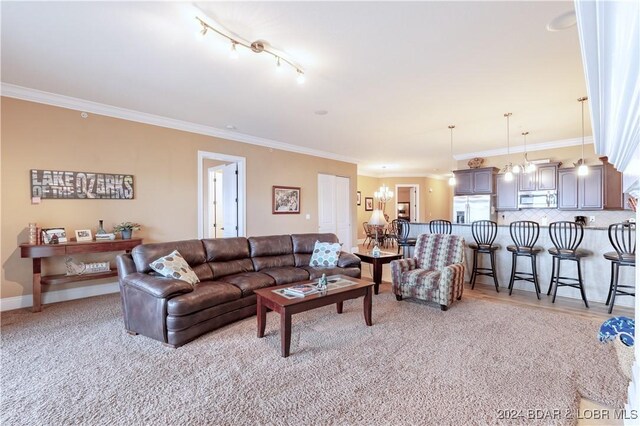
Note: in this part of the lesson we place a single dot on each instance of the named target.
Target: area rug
(74, 364)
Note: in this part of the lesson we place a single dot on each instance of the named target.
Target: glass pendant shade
(452, 181)
(583, 170)
(516, 169)
(530, 168)
(508, 176)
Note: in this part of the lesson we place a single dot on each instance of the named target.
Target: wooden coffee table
(377, 263)
(270, 300)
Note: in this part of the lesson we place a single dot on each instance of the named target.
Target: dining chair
(404, 242)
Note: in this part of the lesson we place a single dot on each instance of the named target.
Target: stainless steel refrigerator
(469, 208)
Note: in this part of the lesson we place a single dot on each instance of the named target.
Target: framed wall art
(368, 204)
(286, 200)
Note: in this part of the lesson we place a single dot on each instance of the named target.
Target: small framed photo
(83, 235)
(286, 200)
(359, 197)
(54, 235)
(368, 204)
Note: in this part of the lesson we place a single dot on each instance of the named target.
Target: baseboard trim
(26, 301)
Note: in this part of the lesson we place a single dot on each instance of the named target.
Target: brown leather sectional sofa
(175, 312)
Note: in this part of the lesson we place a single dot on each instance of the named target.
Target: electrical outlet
(592, 219)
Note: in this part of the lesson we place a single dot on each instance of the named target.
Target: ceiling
(392, 76)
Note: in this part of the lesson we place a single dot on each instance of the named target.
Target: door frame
(242, 189)
(416, 186)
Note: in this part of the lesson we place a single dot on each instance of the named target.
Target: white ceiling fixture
(257, 46)
(562, 22)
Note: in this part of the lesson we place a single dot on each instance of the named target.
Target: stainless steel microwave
(537, 200)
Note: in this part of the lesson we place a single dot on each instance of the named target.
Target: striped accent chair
(435, 272)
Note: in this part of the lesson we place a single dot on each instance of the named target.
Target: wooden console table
(37, 252)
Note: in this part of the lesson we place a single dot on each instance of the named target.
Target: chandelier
(384, 195)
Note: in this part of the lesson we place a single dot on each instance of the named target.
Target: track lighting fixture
(256, 47)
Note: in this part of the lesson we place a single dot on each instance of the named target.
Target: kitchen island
(596, 269)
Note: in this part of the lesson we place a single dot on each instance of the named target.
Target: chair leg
(610, 286)
(534, 270)
(553, 269)
(492, 256)
(582, 292)
(615, 286)
(555, 290)
(514, 261)
(474, 269)
(398, 297)
(443, 307)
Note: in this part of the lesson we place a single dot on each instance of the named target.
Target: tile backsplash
(604, 218)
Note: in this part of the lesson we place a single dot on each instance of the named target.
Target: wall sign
(54, 184)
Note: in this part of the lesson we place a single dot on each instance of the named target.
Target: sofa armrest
(451, 283)
(398, 267)
(159, 287)
(348, 260)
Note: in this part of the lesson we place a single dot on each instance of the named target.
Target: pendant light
(583, 169)
(508, 169)
(529, 167)
(452, 179)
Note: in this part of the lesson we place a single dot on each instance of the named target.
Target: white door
(326, 203)
(230, 200)
(343, 212)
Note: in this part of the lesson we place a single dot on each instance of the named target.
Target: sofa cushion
(315, 273)
(224, 249)
(303, 245)
(325, 255)
(271, 252)
(173, 265)
(192, 251)
(204, 295)
(182, 322)
(249, 281)
(287, 274)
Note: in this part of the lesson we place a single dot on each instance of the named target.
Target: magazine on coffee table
(333, 282)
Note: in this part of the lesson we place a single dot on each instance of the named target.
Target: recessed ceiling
(394, 75)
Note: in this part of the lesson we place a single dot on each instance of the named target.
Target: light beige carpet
(74, 364)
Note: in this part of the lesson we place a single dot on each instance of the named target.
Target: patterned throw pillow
(325, 255)
(174, 266)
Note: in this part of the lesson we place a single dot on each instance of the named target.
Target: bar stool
(484, 233)
(440, 226)
(524, 234)
(404, 242)
(623, 239)
(566, 238)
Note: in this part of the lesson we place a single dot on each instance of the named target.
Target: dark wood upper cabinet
(548, 177)
(506, 194)
(545, 178)
(568, 189)
(591, 189)
(464, 182)
(601, 189)
(475, 181)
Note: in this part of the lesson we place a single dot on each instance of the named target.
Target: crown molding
(62, 101)
(533, 147)
(400, 175)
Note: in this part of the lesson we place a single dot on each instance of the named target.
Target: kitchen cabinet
(506, 194)
(545, 178)
(475, 181)
(568, 189)
(601, 189)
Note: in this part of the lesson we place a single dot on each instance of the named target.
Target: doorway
(408, 202)
(334, 207)
(221, 195)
